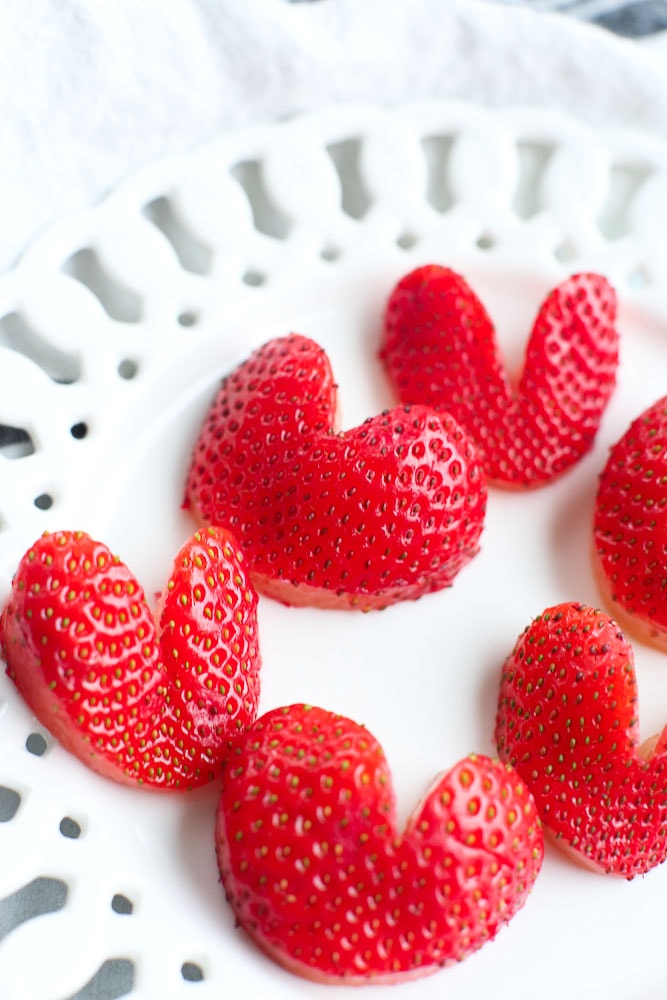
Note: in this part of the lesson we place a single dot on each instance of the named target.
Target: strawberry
(567, 721)
(141, 701)
(318, 875)
(385, 512)
(439, 348)
(630, 527)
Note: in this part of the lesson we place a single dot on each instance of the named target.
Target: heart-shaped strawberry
(439, 348)
(385, 512)
(140, 702)
(567, 721)
(630, 527)
(318, 875)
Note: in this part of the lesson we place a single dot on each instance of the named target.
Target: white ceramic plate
(118, 325)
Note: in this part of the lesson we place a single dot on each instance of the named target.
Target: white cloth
(92, 89)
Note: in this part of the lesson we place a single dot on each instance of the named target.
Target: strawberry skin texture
(142, 702)
(319, 877)
(567, 721)
(439, 348)
(387, 511)
(630, 527)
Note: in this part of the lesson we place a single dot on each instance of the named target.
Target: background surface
(90, 91)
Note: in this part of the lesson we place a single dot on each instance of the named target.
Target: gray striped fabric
(633, 18)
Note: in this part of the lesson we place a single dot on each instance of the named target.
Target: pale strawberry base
(572, 853)
(303, 595)
(576, 855)
(636, 626)
(313, 976)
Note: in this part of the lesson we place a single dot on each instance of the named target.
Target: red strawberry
(385, 512)
(630, 527)
(318, 875)
(567, 720)
(439, 348)
(139, 702)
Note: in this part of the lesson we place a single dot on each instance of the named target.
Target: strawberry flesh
(567, 721)
(318, 875)
(138, 701)
(387, 511)
(630, 527)
(439, 348)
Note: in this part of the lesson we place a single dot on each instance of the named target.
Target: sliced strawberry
(320, 878)
(630, 527)
(439, 348)
(385, 512)
(140, 703)
(567, 721)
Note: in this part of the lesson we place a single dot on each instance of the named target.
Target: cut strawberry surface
(387, 511)
(567, 721)
(320, 878)
(140, 702)
(439, 348)
(630, 527)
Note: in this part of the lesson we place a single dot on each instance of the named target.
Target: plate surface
(117, 326)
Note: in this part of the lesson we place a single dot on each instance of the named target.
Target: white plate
(139, 306)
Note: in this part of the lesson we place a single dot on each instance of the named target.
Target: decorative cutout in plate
(129, 315)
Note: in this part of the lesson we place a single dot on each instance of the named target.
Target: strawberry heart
(140, 702)
(630, 527)
(439, 348)
(318, 875)
(385, 512)
(567, 721)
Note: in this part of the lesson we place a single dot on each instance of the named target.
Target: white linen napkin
(92, 89)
